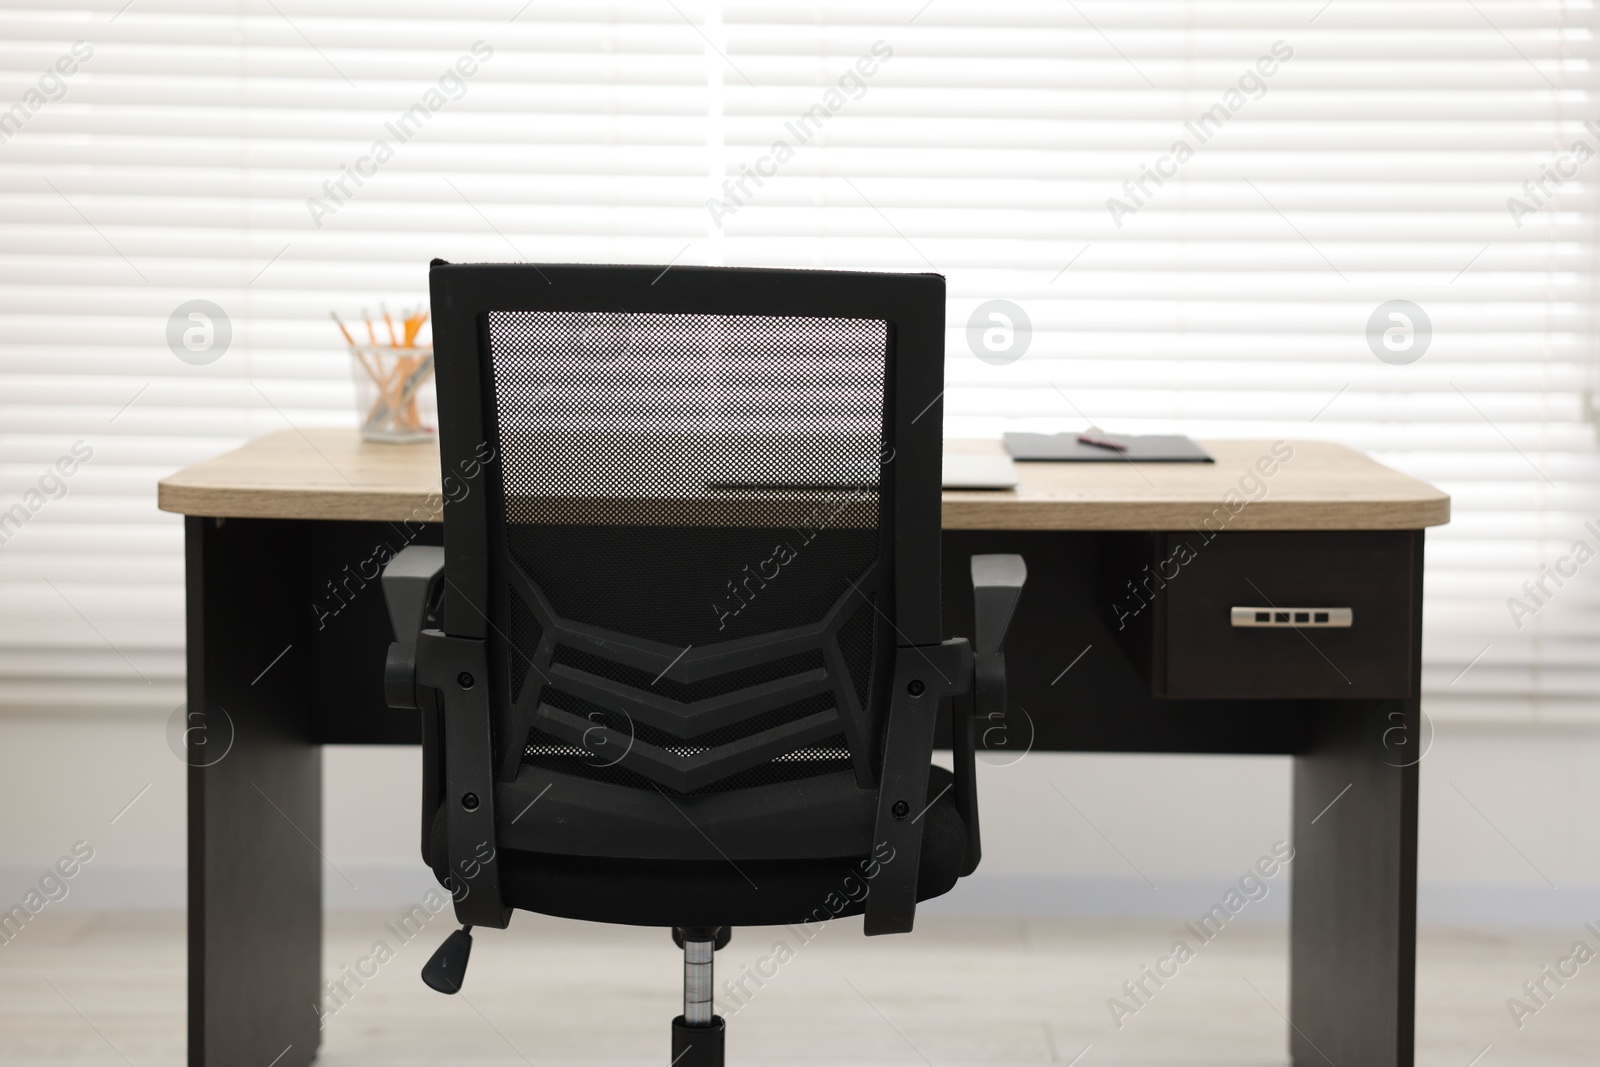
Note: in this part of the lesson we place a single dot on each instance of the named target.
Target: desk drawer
(1283, 614)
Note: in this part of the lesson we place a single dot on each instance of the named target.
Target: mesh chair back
(695, 511)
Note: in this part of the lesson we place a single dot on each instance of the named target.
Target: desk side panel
(255, 799)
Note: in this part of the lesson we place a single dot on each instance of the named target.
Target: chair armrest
(410, 586)
(997, 583)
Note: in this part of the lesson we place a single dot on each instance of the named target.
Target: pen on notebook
(1101, 442)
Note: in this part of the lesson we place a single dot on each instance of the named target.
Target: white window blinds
(1202, 210)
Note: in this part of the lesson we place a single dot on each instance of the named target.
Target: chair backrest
(692, 513)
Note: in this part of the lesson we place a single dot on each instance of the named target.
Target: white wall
(1190, 825)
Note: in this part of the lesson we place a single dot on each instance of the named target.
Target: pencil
(351, 341)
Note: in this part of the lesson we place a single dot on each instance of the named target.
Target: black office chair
(680, 659)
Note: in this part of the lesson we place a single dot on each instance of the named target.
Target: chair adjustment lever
(446, 969)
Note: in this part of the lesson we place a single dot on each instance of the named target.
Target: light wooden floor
(92, 989)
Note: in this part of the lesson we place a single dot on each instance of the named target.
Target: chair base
(698, 1046)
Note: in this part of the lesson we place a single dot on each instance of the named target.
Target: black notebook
(1141, 448)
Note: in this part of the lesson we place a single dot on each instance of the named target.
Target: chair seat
(715, 891)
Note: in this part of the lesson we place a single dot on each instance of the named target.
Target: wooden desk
(1121, 643)
(332, 474)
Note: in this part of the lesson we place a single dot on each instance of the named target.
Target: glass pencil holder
(395, 398)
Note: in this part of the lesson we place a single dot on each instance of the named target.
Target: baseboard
(100, 885)
(1438, 903)
(388, 885)
(1104, 898)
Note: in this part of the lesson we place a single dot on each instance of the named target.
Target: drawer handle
(1287, 618)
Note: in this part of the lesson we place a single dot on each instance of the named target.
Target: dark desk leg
(255, 813)
(1352, 931)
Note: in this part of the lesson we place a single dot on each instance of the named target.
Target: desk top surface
(332, 474)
